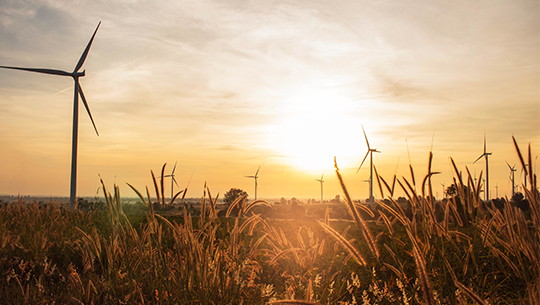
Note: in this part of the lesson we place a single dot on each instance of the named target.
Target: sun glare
(314, 126)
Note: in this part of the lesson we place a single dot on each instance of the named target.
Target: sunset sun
(315, 125)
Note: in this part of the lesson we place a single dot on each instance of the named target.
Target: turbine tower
(255, 177)
(77, 91)
(370, 153)
(173, 180)
(485, 155)
(524, 170)
(512, 170)
(321, 181)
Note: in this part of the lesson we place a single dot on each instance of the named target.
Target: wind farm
(163, 206)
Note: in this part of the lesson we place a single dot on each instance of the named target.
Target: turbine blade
(484, 141)
(365, 137)
(257, 171)
(479, 158)
(322, 176)
(40, 70)
(175, 181)
(362, 162)
(85, 53)
(190, 180)
(174, 168)
(87, 108)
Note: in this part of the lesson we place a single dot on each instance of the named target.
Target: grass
(462, 251)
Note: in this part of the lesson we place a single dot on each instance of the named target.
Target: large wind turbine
(77, 91)
(321, 181)
(370, 153)
(512, 170)
(485, 155)
(255, 177)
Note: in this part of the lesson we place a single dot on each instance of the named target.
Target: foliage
(231, 197)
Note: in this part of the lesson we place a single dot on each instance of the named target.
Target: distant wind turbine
(370, 153)
(321, 181)
(524, 170)
(443, 190)
(255, 177)
(485, 155)
(173, 180)
(512, 170)
(77, 91)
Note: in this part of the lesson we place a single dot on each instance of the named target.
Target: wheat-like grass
(357, 218)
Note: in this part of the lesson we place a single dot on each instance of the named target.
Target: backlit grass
(461, 251)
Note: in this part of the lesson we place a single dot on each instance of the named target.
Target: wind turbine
(524, 170)
(443, 190)
(77, 91)
(255, 177)
(173, 181)
(485, 155)
(321, 181)
(512, 170)
(370, 153)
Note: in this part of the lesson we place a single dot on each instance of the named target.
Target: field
(461, 251)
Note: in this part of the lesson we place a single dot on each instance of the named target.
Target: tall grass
(459, 251)
(473, 252)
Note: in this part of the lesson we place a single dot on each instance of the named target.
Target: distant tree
(402, 200)
(283, 201)
(231, 196)
(498, 203)
(451, 190)
(519, 201)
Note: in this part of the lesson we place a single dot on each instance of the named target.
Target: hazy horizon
(226, 87)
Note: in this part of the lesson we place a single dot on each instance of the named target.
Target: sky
(223, 87)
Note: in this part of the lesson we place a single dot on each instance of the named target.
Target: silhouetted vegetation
(409, 250)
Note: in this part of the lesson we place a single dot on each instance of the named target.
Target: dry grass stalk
(345, 243)
(293, 302)
(358, 220)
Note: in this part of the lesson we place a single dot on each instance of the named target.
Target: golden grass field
(461, 251)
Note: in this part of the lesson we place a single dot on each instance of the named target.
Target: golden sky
(223, 87)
